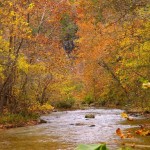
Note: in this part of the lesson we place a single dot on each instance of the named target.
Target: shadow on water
(65, 130)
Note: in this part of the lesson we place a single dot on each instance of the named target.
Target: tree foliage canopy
(107, 42)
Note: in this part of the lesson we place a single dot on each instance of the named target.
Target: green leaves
(69, 28)
(92, 147)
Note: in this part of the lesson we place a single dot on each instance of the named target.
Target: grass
(17, 120)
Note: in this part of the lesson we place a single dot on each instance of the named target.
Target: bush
(88, 99)
(38, 108)
(102, 102)
(68, 103)
(17, 118)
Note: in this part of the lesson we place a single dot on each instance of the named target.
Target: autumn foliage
(106, 61)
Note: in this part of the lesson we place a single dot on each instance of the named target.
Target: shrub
(102, 102)
(88, 99)
(17, 118)
(39, 108)
(68, 103)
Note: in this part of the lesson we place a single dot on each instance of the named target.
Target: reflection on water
(62, 132)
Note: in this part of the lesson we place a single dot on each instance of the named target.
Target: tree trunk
(104, 65)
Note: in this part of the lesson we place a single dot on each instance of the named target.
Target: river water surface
(65, 130)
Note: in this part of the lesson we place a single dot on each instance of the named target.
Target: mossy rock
(89, 116)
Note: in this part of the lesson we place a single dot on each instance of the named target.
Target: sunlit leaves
(124, 115)
(23, 64)
(146, 85)
(31, 5)
(14, 21)
(36, 107)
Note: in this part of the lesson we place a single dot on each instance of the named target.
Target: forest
(74, 65)
(74, 53)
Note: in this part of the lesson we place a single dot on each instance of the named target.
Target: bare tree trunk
(10, 72)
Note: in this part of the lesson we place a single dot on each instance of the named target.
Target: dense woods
(74, 52)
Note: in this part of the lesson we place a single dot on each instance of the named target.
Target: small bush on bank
(23, 118)
(17, 119)
(68, 103)
(88, 99)
(41, 108)
(102, 102)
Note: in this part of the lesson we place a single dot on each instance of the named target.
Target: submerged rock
(79, 124)
(72, 124)
(93, 125)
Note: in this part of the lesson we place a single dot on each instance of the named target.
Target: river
(65, 130)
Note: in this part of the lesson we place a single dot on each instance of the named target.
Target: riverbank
(8, 121)
(138, 112)
(81, 130)
(22, 119)
(137, 136)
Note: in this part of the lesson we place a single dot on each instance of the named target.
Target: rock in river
(42, 121)
(89, 116)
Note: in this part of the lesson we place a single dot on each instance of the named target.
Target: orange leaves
(122, 135)
(138, 131)
(129, 135)
(119, 133)
(143, 132)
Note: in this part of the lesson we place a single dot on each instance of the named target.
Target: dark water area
(65, 130)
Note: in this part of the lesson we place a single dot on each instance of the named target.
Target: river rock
(42, 121)
(79, 124)
(54, 110)
(71, 124)
(89, 116)
(92, 125)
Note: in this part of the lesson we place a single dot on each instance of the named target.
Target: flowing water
(65, 130)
